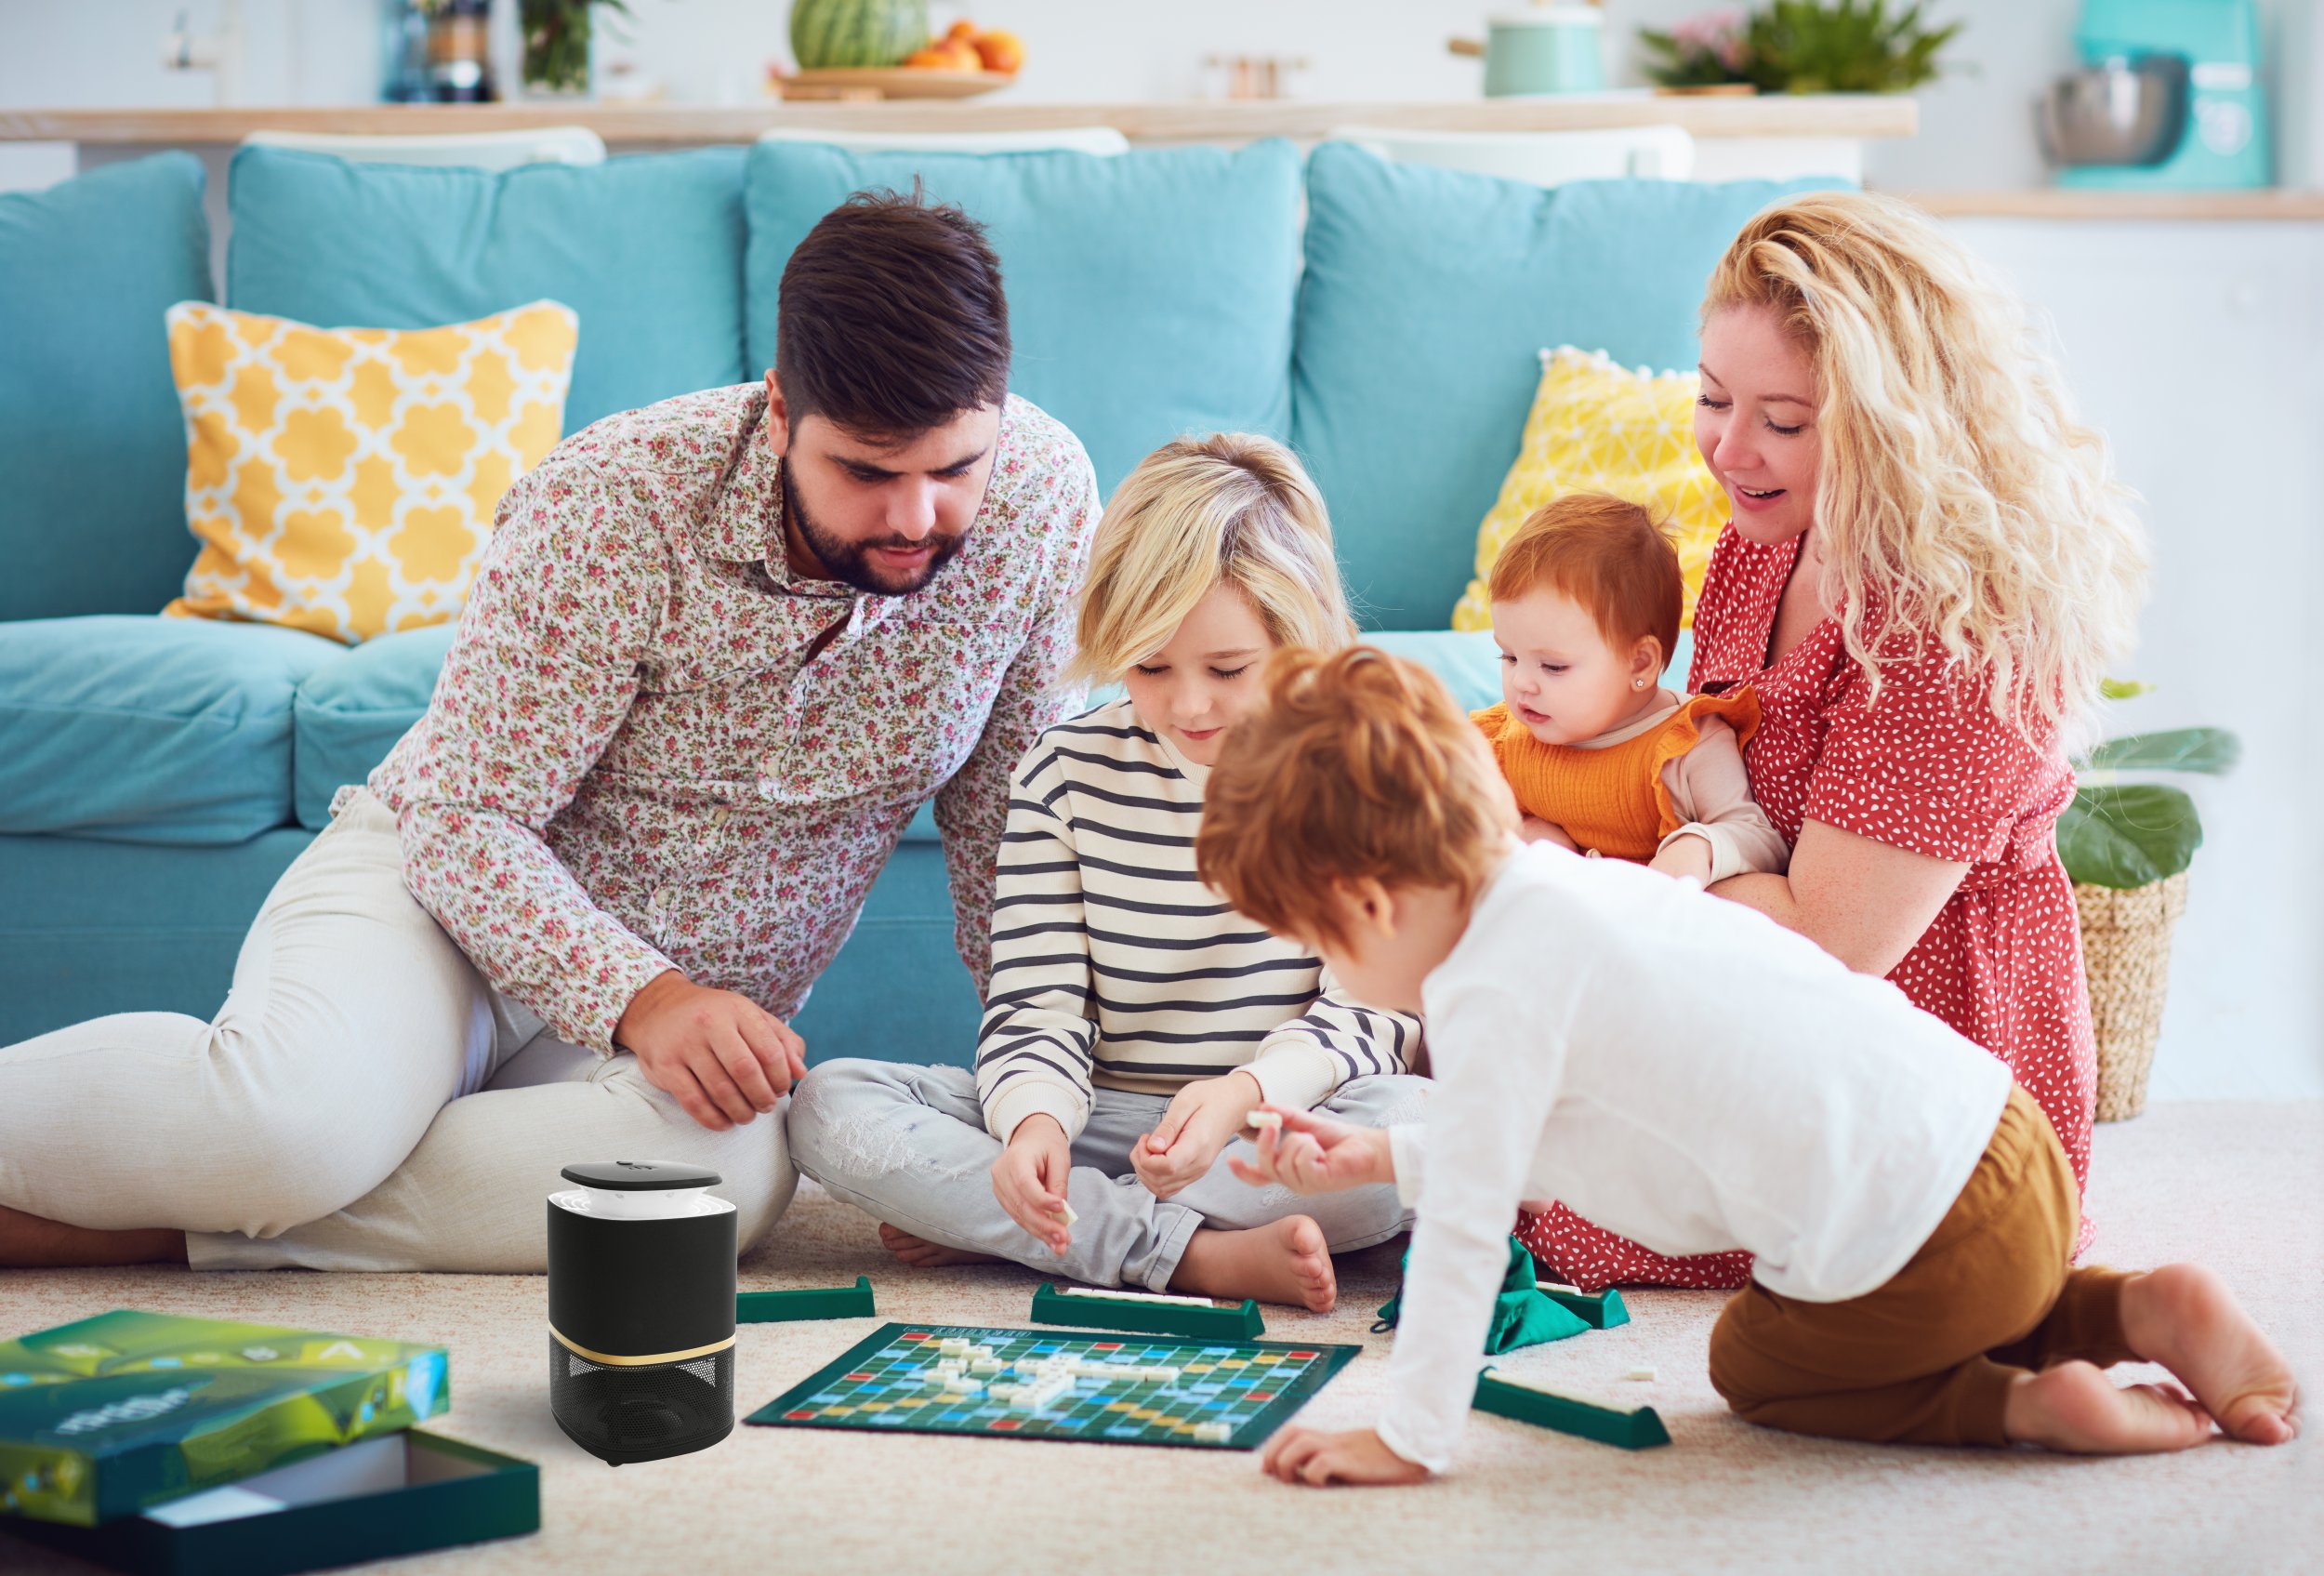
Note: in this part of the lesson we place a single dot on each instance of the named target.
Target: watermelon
(826, 34)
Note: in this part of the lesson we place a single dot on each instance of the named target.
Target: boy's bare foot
(921, 1253)
(1285, 1261)
(31, 1242)
(2075, 1406)
(2184, 1317)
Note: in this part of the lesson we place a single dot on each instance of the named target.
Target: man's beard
(850, 562)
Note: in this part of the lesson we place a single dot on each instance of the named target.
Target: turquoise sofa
(157, 775)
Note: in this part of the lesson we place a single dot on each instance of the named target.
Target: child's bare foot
(31, 1242)
(1285, 1261)
(2075, 1406)
(921, 1253)
(2184, 1317)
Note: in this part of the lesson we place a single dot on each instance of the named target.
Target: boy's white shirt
(1680, 1070)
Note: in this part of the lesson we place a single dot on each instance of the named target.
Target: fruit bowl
(891, 81)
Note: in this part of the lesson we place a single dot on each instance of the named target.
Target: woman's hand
(1865, 902)
(1029, 1180)
(1203, 1116)
(1315, 1458)
(1315, 1154)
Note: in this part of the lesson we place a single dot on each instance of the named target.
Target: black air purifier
(641, 1310)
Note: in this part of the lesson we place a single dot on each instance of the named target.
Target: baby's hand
(1315, 1154)
(1686, 857)
(1315, 1458)
(1533, 828)
(1203, 1116)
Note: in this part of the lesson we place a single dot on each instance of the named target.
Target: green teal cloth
(1150, 293)
(1524, 1315)
(89, 928)
(143, 729)
(648, 251)
(1428, 295)
(92, 448)
(351, 713)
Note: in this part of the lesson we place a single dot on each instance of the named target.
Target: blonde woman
(1927, 568)
(1133, 1019)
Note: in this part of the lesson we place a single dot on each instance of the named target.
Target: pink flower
(1718, 34)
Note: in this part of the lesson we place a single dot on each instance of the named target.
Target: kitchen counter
(2050, 202)
(1850, 116)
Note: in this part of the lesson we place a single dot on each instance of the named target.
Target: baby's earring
(1638, 684)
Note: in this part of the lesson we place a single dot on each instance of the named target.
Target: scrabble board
(1225, 1395)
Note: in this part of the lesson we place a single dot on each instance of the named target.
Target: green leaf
(2213, 752)
(2128, 835)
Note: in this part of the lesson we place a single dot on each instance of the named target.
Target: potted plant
(1803, 47)
(2126, 846)
(557, 43)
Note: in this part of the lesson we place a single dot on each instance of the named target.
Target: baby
(1603, 760)
(1697, 1079)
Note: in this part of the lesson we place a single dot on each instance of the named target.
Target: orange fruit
(960, 55)
(1000, 50)
(931, 59)
(964, 30)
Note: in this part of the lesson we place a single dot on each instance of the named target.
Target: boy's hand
(1029, 1180)
(1202, 1117)
(1533, 828)
(1317, 1154)
(1686, 857)
(1315, 1458)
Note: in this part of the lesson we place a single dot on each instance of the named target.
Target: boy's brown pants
(1929, 1357)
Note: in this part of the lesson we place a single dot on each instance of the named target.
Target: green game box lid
(103, 1417)
(383, 1497)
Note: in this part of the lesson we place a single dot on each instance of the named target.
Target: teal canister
(1551, 49)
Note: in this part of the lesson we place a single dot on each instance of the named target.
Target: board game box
(1085, 1385)
(106, 1416)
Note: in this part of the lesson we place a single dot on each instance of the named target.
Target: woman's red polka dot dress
(1928, 768)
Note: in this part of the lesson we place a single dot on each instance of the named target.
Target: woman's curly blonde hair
(1958, 499)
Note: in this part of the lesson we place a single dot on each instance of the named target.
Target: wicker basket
(2126, 952)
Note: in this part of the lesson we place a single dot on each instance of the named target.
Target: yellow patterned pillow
(1599, 427)
(343, 480)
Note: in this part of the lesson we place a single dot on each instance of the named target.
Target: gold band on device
(580, 1351)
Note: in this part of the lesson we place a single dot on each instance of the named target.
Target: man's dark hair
(891, 318)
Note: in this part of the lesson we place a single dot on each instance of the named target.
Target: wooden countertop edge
(2273, 203)
(1836, 115)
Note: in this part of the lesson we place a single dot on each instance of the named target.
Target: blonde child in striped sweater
(1135, 1020)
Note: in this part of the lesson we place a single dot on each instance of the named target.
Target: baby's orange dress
(1611, 799)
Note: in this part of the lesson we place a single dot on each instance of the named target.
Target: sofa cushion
(350, 712)
(648, 251)
(1428, 299)
(142, 728)
(92, 452)
(1149, 294)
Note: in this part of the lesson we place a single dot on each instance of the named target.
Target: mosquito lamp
(641, 1310)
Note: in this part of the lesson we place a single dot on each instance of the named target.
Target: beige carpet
(2240, 1186)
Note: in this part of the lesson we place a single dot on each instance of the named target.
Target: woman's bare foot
(1285, 1261)
(2075, 1406)
(921, 1253)
(31, 1242)
(2184, 1317)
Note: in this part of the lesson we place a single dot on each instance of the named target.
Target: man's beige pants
(363, 1100)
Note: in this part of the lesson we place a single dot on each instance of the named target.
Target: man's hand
(1686, 857)
(1533, 828)
(1203, 1116)
(722, 1057)
(1029, 1180)
(1315, 1458)
(1317, 1154)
